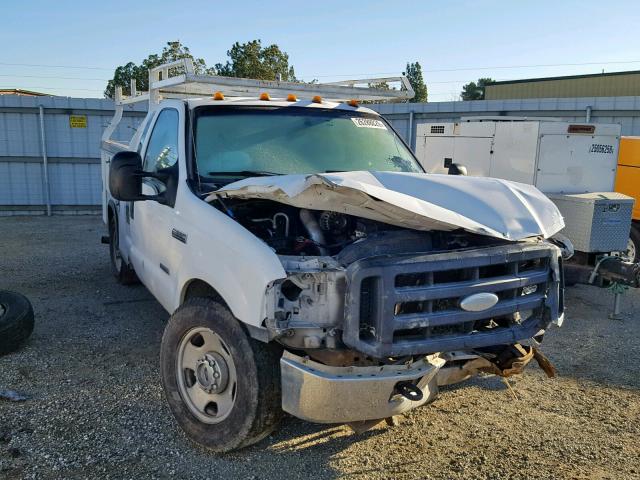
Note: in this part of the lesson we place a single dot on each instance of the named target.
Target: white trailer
(553, 155)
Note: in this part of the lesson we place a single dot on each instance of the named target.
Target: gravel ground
(97, 408)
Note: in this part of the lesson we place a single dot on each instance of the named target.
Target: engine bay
(290, 230)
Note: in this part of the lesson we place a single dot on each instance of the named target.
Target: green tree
(252, 60)
(414, 75)
(380, 86)
(475, 90)
(171, 52)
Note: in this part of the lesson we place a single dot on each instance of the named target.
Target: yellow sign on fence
(78, 121)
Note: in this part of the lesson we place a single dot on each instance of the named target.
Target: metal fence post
(410, 131)
(45, 162)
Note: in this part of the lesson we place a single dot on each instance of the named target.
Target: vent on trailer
(437, 128)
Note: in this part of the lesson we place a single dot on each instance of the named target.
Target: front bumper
(322, 394)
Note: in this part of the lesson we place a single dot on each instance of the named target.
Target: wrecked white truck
(309, 264)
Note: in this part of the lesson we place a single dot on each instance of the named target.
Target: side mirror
(125, 178)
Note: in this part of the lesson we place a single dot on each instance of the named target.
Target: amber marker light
(317, 99)
(292, 98)
(218, 96)
(265, 96)
(353, 103)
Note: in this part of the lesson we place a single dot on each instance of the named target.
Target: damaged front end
(357, 326)
(375, 315)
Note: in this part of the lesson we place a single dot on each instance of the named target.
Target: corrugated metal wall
(604, 85)
(622, 110)
(73, 153)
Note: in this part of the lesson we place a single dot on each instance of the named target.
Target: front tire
(222, 386)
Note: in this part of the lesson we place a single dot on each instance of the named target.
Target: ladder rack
(164, 82)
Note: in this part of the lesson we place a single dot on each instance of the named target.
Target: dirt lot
(97, 408)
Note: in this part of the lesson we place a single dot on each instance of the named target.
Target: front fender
(225, 255)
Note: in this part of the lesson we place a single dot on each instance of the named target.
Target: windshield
(258, 141)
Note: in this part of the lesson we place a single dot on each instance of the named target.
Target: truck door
(151, 222)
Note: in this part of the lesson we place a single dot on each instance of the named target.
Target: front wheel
(223, 387)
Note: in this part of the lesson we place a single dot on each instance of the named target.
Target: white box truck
(573, 163)
(307, 261)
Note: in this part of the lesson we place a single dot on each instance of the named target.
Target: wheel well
(200, 288)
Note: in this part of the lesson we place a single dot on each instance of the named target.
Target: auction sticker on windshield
(368, 122)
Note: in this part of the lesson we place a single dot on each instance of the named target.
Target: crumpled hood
(486, 206)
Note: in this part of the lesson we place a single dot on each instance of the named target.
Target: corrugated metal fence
(72, 131)
(73, 152)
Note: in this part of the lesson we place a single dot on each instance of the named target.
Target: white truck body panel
(419, 201)
(543, 153)
(146, 242)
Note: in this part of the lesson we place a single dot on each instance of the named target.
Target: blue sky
(454, 41)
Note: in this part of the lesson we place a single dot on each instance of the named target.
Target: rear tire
(124, 274)
(16, 320)
(251, 370)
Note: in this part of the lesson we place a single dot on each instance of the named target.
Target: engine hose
(314, 230)
(594, 273)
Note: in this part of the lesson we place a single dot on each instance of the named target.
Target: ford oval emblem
(479, 302)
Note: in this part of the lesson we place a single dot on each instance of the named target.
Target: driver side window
(162, 150)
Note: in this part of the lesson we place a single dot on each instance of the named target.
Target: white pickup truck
(307, 261)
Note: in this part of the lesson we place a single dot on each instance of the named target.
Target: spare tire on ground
(16, 320)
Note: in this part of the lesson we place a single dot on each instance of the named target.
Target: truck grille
(411, 305)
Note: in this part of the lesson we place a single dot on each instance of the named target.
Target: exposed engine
(293, 231)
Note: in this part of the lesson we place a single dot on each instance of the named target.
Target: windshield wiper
(246, 173)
